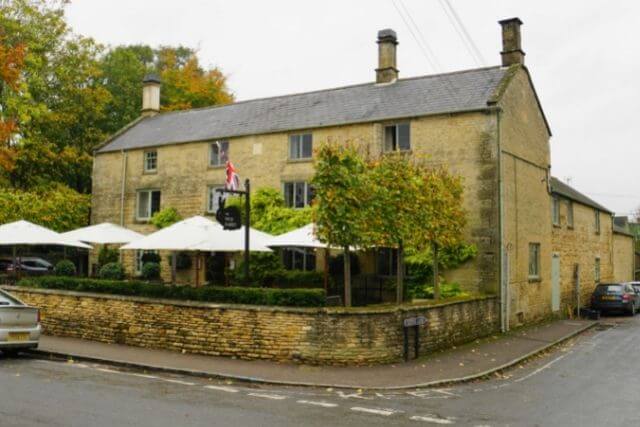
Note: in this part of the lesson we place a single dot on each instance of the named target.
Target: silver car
(19, 324)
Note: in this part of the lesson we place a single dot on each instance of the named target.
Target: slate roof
(562, 189)
(419, 96)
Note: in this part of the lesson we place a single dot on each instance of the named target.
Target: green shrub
(233, 295)
(111, 271)
(150, 270)
(107, 255)
(165, 217)
(425, 291)
(150, 257)
(65, 268)
(265, 268)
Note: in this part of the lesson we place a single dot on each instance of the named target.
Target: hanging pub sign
(229, 217)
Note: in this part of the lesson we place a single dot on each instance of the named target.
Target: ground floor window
(139, 255)
(213, 198)
(534, 260)
(386, 261)
(299, 259)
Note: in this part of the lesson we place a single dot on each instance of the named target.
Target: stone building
(485, 124)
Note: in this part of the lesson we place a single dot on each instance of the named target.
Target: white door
(555, 282)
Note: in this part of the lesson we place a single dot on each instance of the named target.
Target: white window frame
(534, 269)
(306, 194)
(212, 195)
(555, 210)
(296, 146)
(218, 160)
(397, 148)
(300, 252)
(151, 155)
(150, 191)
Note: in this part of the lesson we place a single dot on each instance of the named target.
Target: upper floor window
(213, 198)
(148, 204)
(597, 221)
(569, 213)
(218, 153)
(534, 260)
(555, 210)
(150, 161)
(298, 194)
(299, 259)
(397, 137)
(300, 146)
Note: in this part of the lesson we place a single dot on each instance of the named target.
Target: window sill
(305, 160)
(407, 152)
(215, 166)
(556, 225)
(535, 279)
(153, 172)
(141, 221)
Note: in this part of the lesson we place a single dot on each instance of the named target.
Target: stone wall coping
(302, 310)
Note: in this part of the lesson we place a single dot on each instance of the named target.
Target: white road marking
(169, 380)
(318, 403)
(150, 377)
(375, 411)
(431, 419)
(542, 368)
(222, 388)
(353, 395)
(268, 396)
(108, 371)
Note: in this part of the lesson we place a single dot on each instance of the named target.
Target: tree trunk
(400, 296)
(436, 282)
(347, 277)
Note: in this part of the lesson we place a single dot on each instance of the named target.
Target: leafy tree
(440, 211)
(165, 217)
(56, 207)
(269, 213)
(342, 202)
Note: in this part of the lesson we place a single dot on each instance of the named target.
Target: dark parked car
(615, 296)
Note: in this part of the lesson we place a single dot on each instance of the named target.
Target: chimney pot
(387, 42)
(151, 95)
(512, 52)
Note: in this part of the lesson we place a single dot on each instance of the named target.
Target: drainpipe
(504, 281)
(124, 180)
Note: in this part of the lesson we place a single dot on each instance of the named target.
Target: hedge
(232, 295)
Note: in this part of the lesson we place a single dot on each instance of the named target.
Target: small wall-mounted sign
(415, 321)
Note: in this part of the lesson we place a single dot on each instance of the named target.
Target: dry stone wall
(314, 336)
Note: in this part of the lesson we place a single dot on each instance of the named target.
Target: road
(593, 380)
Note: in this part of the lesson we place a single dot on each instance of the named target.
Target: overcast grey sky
(583, 57)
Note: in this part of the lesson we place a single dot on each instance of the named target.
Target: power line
(426, 50)
(463, 33)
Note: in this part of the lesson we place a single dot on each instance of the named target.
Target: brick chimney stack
(512, 52)
(150, 95)
(387, 71)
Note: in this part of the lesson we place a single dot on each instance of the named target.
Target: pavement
(459, 364)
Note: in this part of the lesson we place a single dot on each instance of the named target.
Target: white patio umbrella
(201, 234)
(26, 233)
(103, 234)
(303, 237)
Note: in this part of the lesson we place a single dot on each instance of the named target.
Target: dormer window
(397, 137)
(151, 161)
